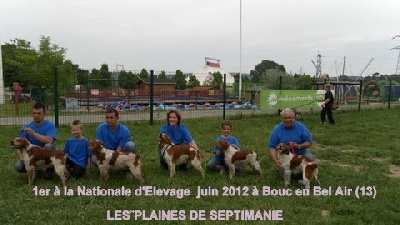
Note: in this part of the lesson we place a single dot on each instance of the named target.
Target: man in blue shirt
(39, 132)
(114, 135)
(292, 133)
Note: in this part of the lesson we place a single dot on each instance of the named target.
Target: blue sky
(179, 34)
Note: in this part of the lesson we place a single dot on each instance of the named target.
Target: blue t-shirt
(78, 151)
(298, 133)
(47, 128)
(113, 139)
(180, 135)
(231, 140)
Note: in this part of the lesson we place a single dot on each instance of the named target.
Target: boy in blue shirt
(218, 163)
(77, 148)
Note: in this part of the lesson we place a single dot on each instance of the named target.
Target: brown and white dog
(175, 155)
(296, 164)
(240, 158)
(111, 160)
(39, 158)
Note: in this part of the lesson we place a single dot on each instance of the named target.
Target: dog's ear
(101, 143)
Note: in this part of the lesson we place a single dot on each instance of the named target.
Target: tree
(193, 82)
(217, 80)
(180, 82)
(144, 74)
(49, 56)
(261, 69)
(101, 78)
(19, 62)
(35, 68)
(162, 76)
(272, 80)
(127, 80)
(303, 82)
(82, 76)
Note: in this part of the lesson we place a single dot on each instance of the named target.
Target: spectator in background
(326, 105)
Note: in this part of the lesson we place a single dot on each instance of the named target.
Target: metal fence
(88, 104)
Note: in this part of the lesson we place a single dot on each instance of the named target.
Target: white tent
(212, 66)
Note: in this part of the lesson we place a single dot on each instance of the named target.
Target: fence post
(151, 95)
(390, 92)
(56, 116)
(360, 98)
(223, 114)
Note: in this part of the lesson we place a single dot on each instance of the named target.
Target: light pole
(2, 100)
(398, 58)
(240, 52)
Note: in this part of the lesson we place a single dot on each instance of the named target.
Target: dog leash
(166, 148)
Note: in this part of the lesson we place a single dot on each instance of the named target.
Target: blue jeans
(20, 166)
(213, 163)
(130, 146)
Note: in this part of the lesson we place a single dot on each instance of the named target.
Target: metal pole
(360, 98)
(390, 93)
(56, 119)
(151, 95)
(224, 96)
(240, 66)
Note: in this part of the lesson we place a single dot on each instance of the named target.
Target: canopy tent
(212, 66)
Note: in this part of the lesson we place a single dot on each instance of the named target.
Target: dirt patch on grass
(325, 213)
(381, 160)
(394, 171)
(356, 168)
(317, 146)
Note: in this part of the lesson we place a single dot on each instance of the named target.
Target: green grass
(357, 152)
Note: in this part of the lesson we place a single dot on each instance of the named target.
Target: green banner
(280, 99)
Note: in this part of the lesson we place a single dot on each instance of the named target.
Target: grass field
(361, 152)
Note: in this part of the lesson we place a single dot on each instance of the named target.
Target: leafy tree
(193, 82)
(128, 80)
(101, 78)
(303, 82)
(272, 80)
(180, 82)
(217, 80)
(49, 56)
(261, 69)
(144, 74)
(19, 63)
(35, 68)
(82, 76)
(162, 76)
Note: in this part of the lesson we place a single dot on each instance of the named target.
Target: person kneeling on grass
(218, 163)
(291, 133)
(77, 147)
